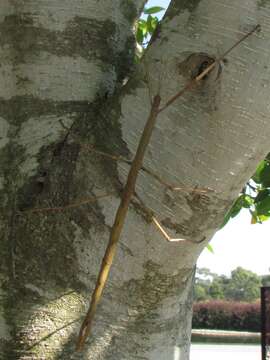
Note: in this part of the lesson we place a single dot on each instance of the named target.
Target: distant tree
(203, 281)
(216, 289)
(243, 286)
(200, 293)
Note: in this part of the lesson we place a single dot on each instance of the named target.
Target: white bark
(212, 137)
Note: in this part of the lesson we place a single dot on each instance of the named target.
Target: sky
(163, 3)
(239, 243)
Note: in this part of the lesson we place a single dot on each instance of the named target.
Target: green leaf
(262, 174)
(226, 219)
(153, 10)
(263, 207)
(256, 176)
(265, 175)
(139, 36)
(263, 218)
(247, 201)
(261, 195)
(210, 248)
(142, 24)
(242, 201)
(151, 24)
(154, 23)
(237, 206)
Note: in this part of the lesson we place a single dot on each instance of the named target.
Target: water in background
(225, 352)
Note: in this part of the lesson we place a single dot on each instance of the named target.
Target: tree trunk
(62, 68)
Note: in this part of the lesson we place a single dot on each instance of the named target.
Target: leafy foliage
(242, 285)
(153, 10)
(146, 27)
(255, 196)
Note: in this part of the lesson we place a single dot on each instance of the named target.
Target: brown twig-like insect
(129, 191)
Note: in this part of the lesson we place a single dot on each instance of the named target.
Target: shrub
(227, 315)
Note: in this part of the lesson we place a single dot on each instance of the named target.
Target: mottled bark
(62, 67)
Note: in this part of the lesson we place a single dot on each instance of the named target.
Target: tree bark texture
(62, 66)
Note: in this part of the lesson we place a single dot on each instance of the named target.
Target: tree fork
(130, 188)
